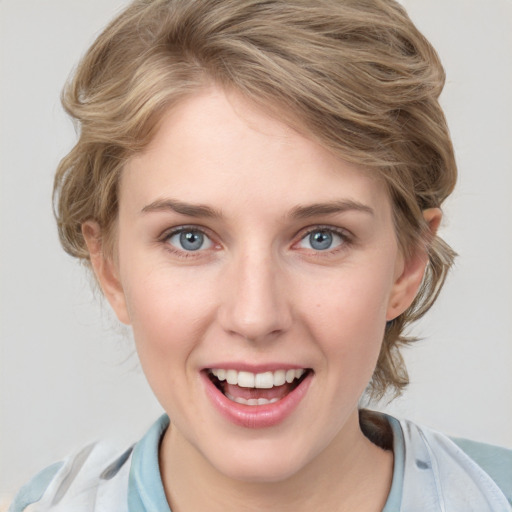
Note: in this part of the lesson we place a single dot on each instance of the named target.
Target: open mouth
(255, 389)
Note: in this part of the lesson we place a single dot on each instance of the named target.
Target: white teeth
(279, 377)
(291, 375)
(232, 376)
(245, 379)
(264, 380)
(251, 401)
(221, 374)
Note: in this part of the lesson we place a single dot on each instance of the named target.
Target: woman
(257, 187)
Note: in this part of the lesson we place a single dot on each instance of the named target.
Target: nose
(255, 305)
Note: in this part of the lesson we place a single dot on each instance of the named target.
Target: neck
(352, 473)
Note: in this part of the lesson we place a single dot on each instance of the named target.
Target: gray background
(68, 374)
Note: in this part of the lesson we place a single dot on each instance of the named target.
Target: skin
(257, 292)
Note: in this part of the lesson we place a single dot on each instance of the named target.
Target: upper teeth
(264, 380)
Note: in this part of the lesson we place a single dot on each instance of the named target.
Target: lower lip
(257, 416)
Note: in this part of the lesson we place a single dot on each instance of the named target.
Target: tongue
(248, 393)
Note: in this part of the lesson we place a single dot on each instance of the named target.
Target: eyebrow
(298, 212)
(332, 207)
(190, 210)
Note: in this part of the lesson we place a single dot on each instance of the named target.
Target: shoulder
(494, 460)
(100, 477)
(97, 474)
(463, 473)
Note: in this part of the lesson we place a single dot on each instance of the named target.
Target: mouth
(257, 389)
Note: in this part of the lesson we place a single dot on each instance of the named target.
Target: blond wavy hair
(355, 75)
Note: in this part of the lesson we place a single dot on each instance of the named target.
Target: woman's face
(257, 271)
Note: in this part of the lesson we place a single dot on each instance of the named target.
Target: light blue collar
(145, 489)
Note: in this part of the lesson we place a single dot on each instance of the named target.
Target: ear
(106, 270)
(410, 270)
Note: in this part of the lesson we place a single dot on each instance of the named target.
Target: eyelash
(346, 240)
(166, 237)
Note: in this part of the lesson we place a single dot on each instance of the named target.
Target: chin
(259, 465)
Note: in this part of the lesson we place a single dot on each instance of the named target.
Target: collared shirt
(431, 473)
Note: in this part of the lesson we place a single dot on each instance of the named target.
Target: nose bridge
(255, 304)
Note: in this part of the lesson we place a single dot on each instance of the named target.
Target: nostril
(259, 337)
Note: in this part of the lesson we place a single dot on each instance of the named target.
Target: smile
(256, 389)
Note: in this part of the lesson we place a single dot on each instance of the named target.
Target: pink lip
(257, 416)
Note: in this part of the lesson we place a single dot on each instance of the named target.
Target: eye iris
(191, 240)
(320, 240)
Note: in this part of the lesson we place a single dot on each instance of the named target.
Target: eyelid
(170, 232)
(343, 233)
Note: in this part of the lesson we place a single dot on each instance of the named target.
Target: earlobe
(105, 270)
(412, 269)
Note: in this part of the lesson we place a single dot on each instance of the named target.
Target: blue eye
(321, 240)
(190, 240)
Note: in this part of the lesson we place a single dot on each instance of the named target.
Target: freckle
(422, 465)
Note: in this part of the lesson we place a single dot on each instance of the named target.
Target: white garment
(431, 474)
(440, 477)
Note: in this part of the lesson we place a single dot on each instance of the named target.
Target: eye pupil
(320, 240)
(191, 240)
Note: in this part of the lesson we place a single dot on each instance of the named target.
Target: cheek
(352, 298)
(167, 328)
(168, 314)
(347, 315)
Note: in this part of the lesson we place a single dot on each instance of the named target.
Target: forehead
(216, 146)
